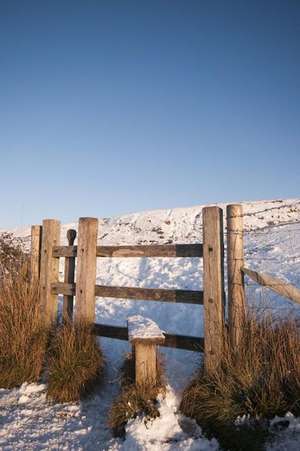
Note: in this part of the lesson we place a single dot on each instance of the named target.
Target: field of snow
(272, 244)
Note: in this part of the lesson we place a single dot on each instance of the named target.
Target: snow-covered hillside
(272, 244)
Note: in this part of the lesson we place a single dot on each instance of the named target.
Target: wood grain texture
(168, 250)
(49, 270)
(145, 363)
(35, 257)
(213, 286)
(69, 271)
(235, 262)
(86, 269)
(281, 287)
(145, 294)
(185, 342)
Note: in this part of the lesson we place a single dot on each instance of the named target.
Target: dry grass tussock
(134, 400)
(23, 339)
(260, 378)
(75, 362)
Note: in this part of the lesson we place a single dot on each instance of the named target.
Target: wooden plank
(67, 289)
(117, 332)
(65, 251)
(281, 287)
(145, 294)
(86, 269)
(151, 294)
(213, 286)
(235, 262)
(35, 257)
(184, 342)
(49, 270)
(168, 250)
(69, 272)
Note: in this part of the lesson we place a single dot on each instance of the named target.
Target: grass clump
(23, 339)
(260, 379)
(133, 400)
(75, 362)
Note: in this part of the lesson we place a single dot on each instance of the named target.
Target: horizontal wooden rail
(281, 287)
(146, 294)
(155, 250)
(172, 341)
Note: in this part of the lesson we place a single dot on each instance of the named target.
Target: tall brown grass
(75, 362)
(23, 338)
(259, 378)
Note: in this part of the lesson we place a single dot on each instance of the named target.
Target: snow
(272, 244)
(166, 432)
(141, 328)
(289, 438)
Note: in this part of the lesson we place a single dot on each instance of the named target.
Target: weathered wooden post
(145, 336)
(213, 286)
(49, 270)
(86, 270)
(235, 263)
(69, 272)
(35, 256)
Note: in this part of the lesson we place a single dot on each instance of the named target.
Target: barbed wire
(272, 259)
(266, 230)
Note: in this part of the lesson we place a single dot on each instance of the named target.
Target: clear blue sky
(108, 107)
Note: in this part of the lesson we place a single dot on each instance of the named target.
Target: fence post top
(234, 211)
(51, 221)
(71, 235)
(88, 219)
(212, 207)
(234, 206)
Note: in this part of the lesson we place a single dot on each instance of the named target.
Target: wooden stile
(235, 263)
(86, 269)
(213, 286)
(69, 278)
(35, 257)
(86, 290)
(49, 270)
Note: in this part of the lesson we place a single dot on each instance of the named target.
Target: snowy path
(29, 422)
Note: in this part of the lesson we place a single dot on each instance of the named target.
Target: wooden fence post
(145, 336)
(69, 272)
(145, 355)
(35, 256)
(86, 269)
(235, 263)
(49, 270)
(213, 286)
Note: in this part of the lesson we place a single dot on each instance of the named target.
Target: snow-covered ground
(272, 244)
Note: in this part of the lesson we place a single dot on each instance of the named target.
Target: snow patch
(140, 327)
(164, 432)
